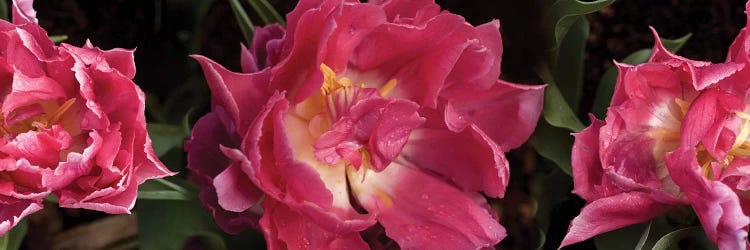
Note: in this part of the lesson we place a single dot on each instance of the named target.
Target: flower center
(348, 119)
(667, 139)
(45, 115)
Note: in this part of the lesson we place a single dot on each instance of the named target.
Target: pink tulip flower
(72, 124)
(676, 133)
(386, 112)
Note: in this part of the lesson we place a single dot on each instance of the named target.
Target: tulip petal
(505, 101)
(206, 161)
(11, 214)
(715, 203)
(284, 228)
(240, 95)
(469, 158)
(420, 211)
(610, 213)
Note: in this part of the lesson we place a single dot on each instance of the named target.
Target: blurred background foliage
(567, 44)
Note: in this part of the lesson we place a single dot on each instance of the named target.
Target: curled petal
(11, 214)
(715, 203)
(610, 213)
(420, 211)
(504, 101)
(469, 158)
(285, 228)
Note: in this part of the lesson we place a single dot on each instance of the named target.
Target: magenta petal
(716, 204)
(268, 159)
(505, 101)
(23, 12)
(247, 60)
(11, 214)
(236, 193)
(610, 213)
(590, 182)
(706, 116)
(420, 211)
(206, 161)
(392, 131)
(468, 158)
(240, 95)
(299, 72)
(420, 66)
(353, 25)
(479, 66)
(27, 90)
(405, 8)
(285, 228)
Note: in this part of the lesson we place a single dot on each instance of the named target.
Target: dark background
(166, 31)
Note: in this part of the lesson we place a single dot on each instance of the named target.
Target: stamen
(330, 82)
(61, 110)
(683, 105)
(387, 87)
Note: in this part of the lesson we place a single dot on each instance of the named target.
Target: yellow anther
(683, 105)
(61, 110)
(387, 87)
(330, 82)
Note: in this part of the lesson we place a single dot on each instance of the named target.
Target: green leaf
(625, 238)
(644, 236)
(13, 239)
(246, 26)
(211, 240)
(4, 10)
(554, 144)
(569, 74)
(186, 127)
(607, 84)
(165, 137)
(675, 45)
(168, 224)
(674, 237)
(639, 236)
(557, 112)
(58, 39)
(542, 239)
(564, 13)
(162, 189)
(266, 12)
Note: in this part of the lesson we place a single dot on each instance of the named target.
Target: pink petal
(235, 192)
(590, 182)
(28, 90)
(479, 66)
(247, 60)
(505, 101)
(420, 66)
(11, 214)
(285, 228)
(382, 124)
(268, 159)
(353, 25)
(206, 161)
(240, 95)
(265, 47)
(299, 72)
(706, 117)
(405, 8)
(469, 158)
(610, 213)
(716, 205)
(420, 211)
(23, 12)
